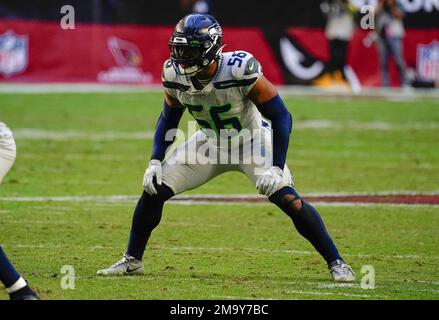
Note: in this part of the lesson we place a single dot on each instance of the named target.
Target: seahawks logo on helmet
(195, 43)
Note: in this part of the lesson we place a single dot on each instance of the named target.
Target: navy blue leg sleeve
(147, 216)
(8, 274)
(307, 222)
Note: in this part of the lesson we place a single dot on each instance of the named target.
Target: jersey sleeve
(247, 72)
(168, 78)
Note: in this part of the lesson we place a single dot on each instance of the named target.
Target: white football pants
(188, 168)
(8, 151)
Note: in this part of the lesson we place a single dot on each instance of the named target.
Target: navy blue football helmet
(195, 43)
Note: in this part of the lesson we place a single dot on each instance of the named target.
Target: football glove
(154, 170)
(268, 183)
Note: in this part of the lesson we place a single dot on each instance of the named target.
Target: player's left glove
(267, 184)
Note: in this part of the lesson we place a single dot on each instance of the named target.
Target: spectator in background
(196, 6)
(390, 30)
(340, 27)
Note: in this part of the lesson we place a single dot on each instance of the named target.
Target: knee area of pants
(164, 193)
(294, 204)
(152, 198)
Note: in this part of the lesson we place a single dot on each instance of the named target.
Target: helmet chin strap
(220, 50)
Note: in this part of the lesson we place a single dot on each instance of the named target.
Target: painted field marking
(42, 134)
(318, 124)
(382, 198)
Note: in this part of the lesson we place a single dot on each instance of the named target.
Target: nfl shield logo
(13, 53)
(428, 61)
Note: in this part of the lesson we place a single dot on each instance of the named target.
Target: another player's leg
(15, 285)
(310, 225)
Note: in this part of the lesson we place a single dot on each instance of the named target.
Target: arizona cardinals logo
(129, 63)
(298, 66)
(125, 53)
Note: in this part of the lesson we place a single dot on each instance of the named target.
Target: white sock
(19, 284)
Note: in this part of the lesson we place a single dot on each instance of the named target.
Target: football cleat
(25, 293)
(341, 272)
(126, 266)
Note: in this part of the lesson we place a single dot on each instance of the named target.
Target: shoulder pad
(252, 66)
(243, 63)
(168, 71)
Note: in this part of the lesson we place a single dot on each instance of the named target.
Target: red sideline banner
(34, 51)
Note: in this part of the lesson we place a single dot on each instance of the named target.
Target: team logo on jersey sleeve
(13, 53)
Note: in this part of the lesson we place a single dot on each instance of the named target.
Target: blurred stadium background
(83, 104)
(126, 41)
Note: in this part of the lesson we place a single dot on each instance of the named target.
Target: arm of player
(168, 120)
(265, 96)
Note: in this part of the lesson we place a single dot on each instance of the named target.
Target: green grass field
(99, 144)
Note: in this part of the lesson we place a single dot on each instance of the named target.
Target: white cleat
(126, 266)
(341, 272)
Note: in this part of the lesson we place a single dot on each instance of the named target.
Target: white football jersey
(4, 130)
(223, 102)
(7, 149)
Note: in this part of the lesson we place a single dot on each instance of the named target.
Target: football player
(221, 91)
(16, 286)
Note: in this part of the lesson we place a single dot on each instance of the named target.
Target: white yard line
(115, 198)
(391, 94)
(42, 134)
(319, 124)
(364, 125)
(92, 157)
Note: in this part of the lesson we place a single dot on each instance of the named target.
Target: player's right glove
(267, 183)
(154, 170)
